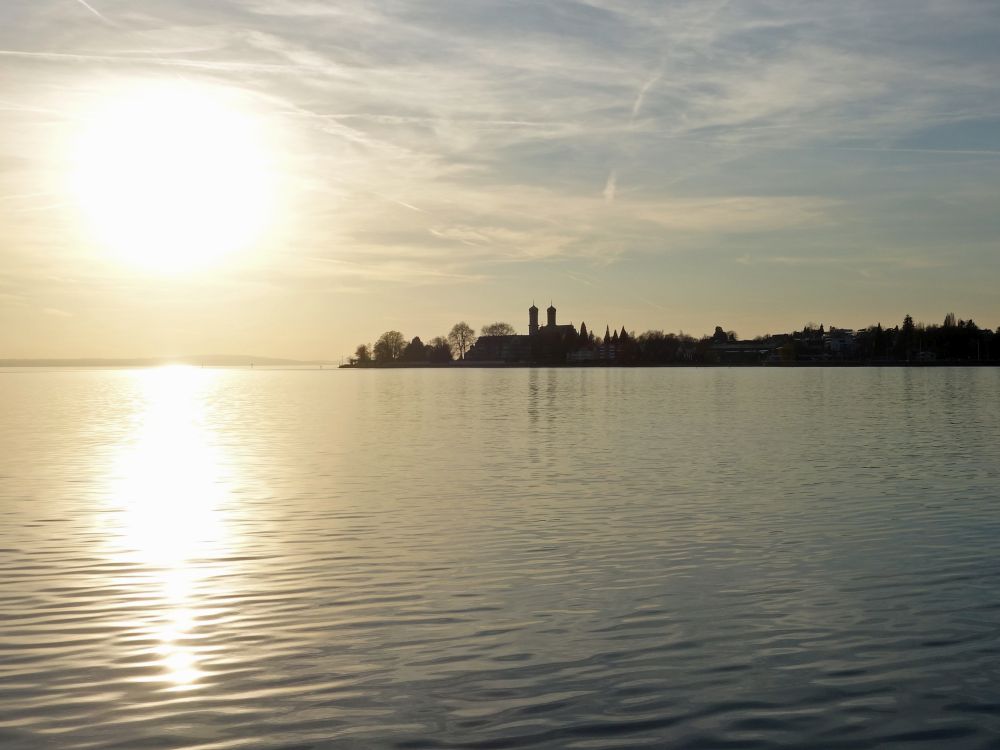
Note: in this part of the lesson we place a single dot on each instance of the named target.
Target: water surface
(693, 558)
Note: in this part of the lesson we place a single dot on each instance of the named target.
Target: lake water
(594, 558)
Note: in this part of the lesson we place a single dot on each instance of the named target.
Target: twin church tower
(550, 323)
(551, 343)
(533, 318)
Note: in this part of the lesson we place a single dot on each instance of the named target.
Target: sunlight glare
(168, 488)
(173, 176)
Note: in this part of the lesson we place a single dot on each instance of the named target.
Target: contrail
(35, 209)
(610, 187)
(165, 61)
(641, 98)
(22, 196)
(398, 202)
(92, 9)
(819, 147)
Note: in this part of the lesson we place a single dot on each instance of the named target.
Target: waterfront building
(552, 343)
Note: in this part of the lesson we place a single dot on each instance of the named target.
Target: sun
(173, 176)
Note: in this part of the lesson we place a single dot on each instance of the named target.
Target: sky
(350, 167)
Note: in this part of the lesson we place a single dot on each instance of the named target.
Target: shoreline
(326, 367)
(706, 365)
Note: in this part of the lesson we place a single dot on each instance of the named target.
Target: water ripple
(689, 558)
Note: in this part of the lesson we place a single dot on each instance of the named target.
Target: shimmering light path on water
(510, 558)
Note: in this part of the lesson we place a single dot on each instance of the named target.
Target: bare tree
(461, 338)
(499, 329)
(389, 347)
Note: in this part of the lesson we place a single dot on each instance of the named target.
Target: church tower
(551, 312)
(532, 320)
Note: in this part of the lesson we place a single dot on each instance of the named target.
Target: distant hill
(208, 360)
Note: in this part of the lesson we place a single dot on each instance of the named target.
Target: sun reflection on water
(168, 491)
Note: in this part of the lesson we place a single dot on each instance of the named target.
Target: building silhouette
(553, 343)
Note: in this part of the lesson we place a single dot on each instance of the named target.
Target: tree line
(952, 340)
(393, 348)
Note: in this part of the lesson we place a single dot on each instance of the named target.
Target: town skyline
(953, 340)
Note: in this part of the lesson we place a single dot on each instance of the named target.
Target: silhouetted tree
(439, 350)
(628, 348)
(415, 351)
(949, 320)
(363, 355)
(904, 341)
(461, 337)
(881, 342)
(657, 347)
(389, 347)
(499, 329)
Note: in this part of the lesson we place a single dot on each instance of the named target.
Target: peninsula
(954, 341)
